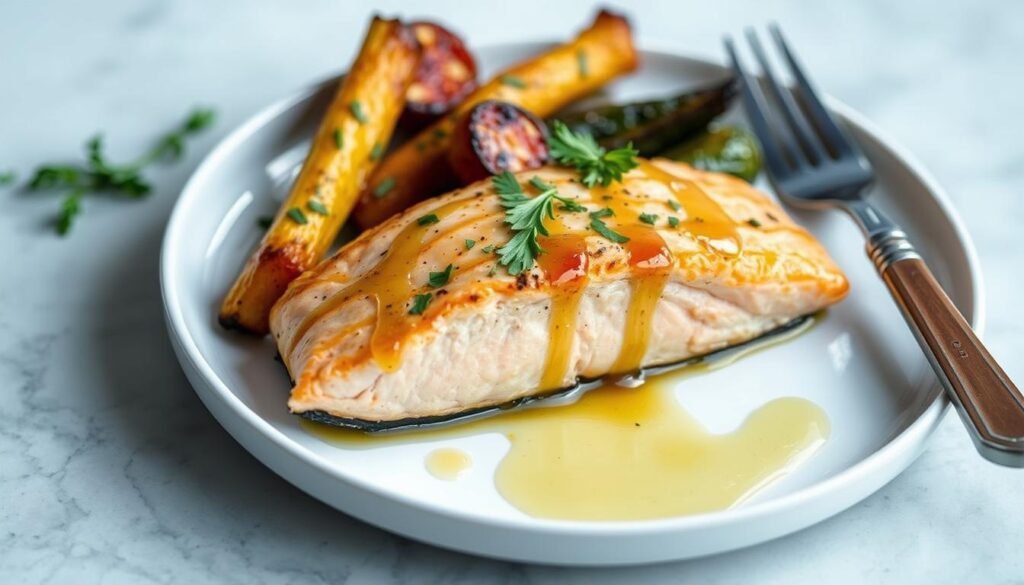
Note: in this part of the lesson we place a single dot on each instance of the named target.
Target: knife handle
(987, 400)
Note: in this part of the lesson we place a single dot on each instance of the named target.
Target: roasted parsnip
(541, 85)
(356, 126)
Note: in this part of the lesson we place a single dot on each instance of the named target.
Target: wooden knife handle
(987, 400)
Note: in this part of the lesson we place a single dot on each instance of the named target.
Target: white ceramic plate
(861, 365)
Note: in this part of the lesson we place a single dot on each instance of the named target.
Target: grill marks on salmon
(733, 267)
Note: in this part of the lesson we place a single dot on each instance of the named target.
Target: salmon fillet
(729, 266)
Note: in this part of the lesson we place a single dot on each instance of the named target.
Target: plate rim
(188, 351)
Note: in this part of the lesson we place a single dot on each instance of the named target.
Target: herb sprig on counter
(525, 216)
(100, 175)
(595, 164)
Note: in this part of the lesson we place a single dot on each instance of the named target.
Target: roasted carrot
(541, 85)
(357, 125)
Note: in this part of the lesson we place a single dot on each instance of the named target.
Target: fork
(813, 163)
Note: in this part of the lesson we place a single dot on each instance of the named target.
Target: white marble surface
(111, 471)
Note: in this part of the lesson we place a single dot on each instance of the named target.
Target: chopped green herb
(603, 212)
(594, 163)
(419, 303)
(98, 174)
(265, 221)
(754, 223)
(525, 216)
(376, 152)
(339, 138)
(200, 119)
(356, 107)
(600, 227)
(296, 215)
(649, 218)
(7, 178)
(673, 221)
(439, 279)
(581, 62)
(428, 219)
(493, 270)
(487, 249)
(470, 244)
(674, 204)
(317, 207)
(513, 81)
(70, 207)
(386, 184)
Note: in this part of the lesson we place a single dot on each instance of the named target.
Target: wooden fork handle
(987, 400)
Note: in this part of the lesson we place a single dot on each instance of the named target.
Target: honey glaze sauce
(448, 463)
(625, 454)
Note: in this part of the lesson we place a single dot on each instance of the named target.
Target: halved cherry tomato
(446, 74)
(497, 136)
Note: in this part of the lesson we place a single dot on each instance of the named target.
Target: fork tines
(801, 134)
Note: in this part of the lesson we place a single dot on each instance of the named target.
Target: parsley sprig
(525, 216)
(99, 175)
(594, 163)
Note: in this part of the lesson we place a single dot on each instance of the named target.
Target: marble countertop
(112, 471)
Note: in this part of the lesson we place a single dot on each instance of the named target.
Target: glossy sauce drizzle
(390, 285)
(564, 263)
(704, 218)
(650, 262)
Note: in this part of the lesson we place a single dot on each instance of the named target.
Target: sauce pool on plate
(623, 454)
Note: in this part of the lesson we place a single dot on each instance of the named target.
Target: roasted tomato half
(496, 136)
(445, 76)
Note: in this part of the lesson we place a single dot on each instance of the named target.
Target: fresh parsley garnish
(649, 218)
(439, 279)
(673, 221)
(673, 204)
(376, 152)
(339, 138)
(487, 249)
(99, 175)
(470, 244)
(296, 215)
(525, 216)
(356, 107)
(600, 227)
(382, 188)
(513, 81)
(70, 207)
(595, 164)
(419, 303)
(603, 212)
(317, 207)
(754, 223)
(428, 219)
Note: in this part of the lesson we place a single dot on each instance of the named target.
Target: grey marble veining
(111, 471)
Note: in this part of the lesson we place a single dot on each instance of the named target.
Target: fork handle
(987, 400)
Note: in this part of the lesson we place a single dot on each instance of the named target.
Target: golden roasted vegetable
(542, 85)
(357, 125)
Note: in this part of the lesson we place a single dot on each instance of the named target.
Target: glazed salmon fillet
(694, 262)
